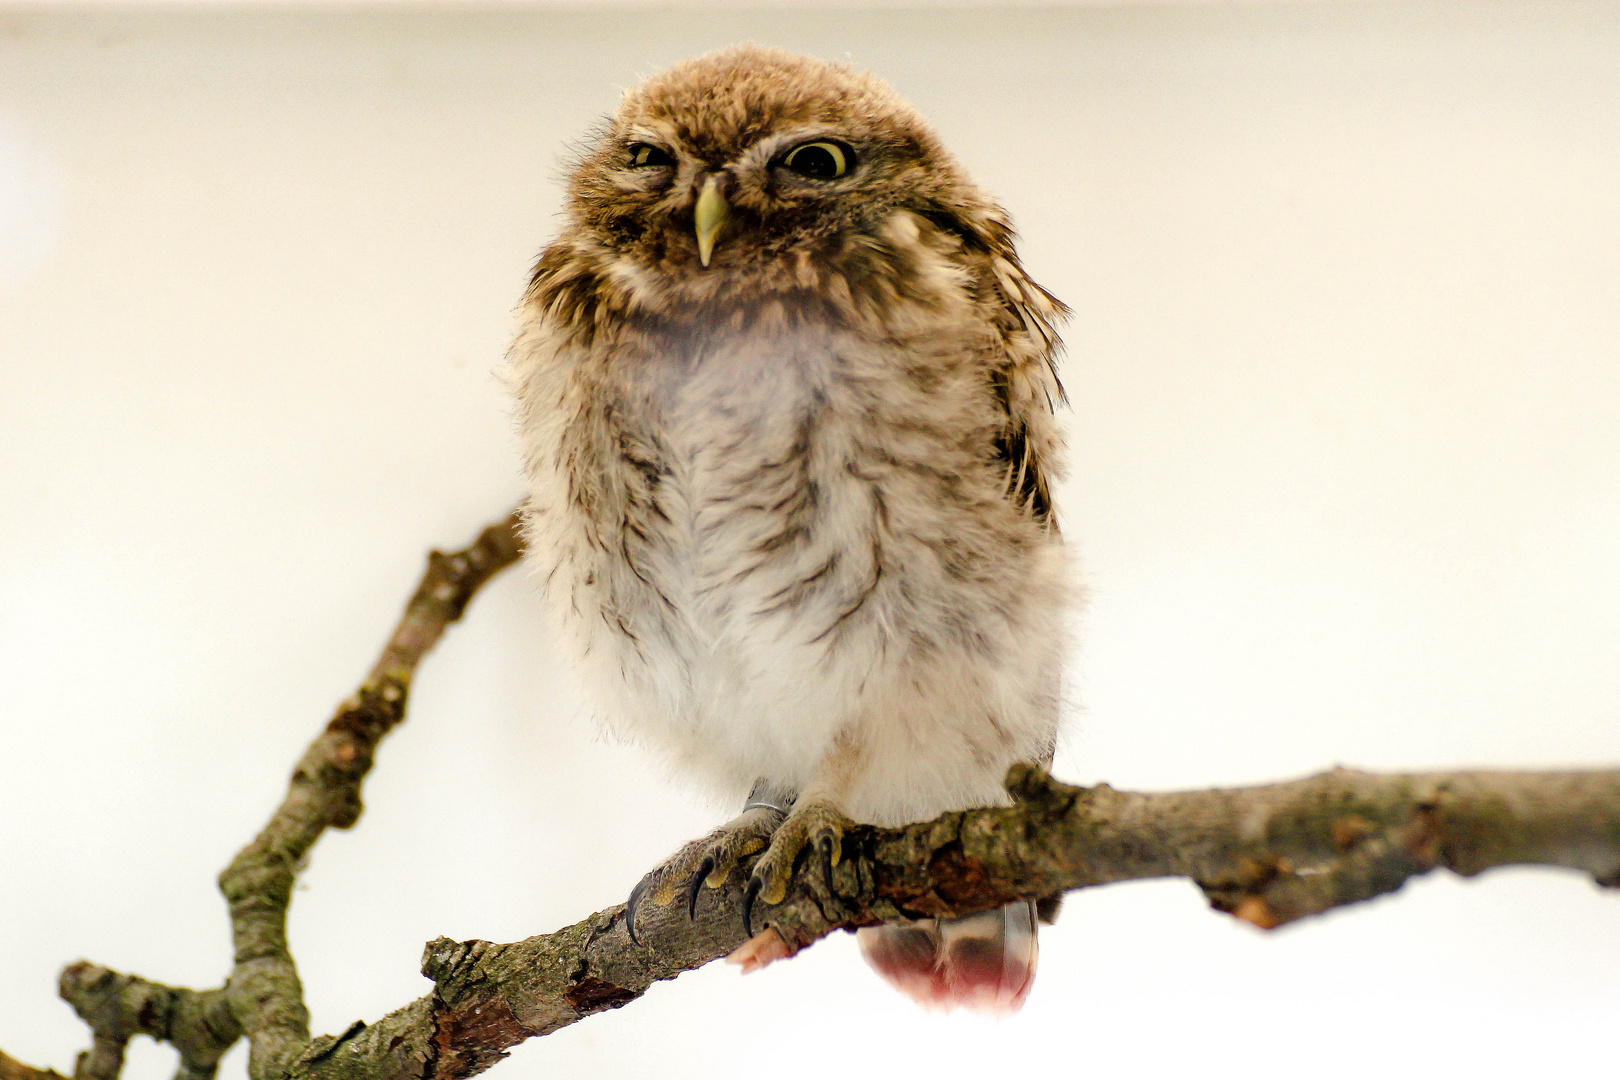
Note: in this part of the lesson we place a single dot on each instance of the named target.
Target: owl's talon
(817, 826)
(630, 906)
(696, 884)
(750, 894)
(709, 860)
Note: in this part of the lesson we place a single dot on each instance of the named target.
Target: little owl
(786, 398)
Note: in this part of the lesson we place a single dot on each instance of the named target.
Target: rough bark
(199, 1024)
(1269, 855)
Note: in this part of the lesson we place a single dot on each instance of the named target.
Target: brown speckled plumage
(792, 507)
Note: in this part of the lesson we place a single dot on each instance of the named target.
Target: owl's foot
(708, 861)
(815, 825)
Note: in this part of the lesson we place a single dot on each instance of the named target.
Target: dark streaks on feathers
(782, 538)
(615, 621)
(880, 506)
(1026, 483)
(879, 337)
(797, 592)
(866, 594)
(806, 496)
(650, 470)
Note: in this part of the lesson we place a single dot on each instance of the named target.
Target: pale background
(1345, 486)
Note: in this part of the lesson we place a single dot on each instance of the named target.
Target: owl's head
(755, 170)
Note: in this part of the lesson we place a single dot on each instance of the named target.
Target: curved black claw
(630, 906)
(695, 886)
(706, 862)
(750, 894)
(814, 830)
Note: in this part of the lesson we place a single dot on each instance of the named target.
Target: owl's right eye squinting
(646, 156)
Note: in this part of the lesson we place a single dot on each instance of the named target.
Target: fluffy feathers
(793, 509)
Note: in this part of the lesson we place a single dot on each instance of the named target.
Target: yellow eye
(644, 155)
(820, 160)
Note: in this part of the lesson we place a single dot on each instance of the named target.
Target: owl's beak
(711, 214)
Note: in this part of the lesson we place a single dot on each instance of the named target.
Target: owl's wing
(1024, 375)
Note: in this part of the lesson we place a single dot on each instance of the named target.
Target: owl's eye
(820, 160)
(646, 156)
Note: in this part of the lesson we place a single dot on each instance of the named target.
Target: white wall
(1345, 484)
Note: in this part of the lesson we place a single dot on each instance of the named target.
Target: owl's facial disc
(709, 216)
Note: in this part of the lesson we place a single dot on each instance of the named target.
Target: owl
(786, 400)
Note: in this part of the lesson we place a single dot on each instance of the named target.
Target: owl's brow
(777, 141)
(656, 136)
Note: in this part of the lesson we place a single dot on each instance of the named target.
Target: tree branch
(1269, 855)
(263, 998)
(199, 1024)
(264, 992)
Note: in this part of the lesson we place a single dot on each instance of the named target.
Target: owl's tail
(984, 962)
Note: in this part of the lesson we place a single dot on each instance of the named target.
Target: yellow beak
(711, 214)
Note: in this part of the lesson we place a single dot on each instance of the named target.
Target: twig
(264, 992)
(118, 1006)
(263, 998)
